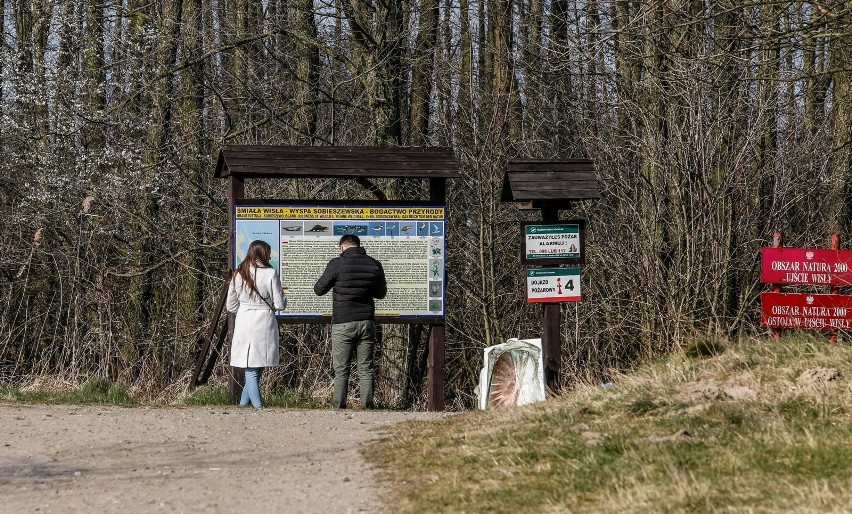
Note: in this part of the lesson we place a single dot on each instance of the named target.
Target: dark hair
(350, 239)
(258, 254)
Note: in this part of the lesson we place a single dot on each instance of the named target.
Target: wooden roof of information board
(550, 180)
(261, 161)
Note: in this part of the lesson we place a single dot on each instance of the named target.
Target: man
(356, 279)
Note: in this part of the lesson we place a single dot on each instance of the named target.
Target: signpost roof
(550, 180)
(265, 161)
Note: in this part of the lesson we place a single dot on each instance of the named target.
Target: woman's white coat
(255, 341)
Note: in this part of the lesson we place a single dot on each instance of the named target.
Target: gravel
(63, 458)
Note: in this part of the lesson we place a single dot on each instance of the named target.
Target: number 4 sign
(551, 285)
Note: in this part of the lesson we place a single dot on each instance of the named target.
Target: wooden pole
(835, 245)
(236, 191)
(435, 375)
(777, 242)
(207, 341)
(551, 338)
(435, 380)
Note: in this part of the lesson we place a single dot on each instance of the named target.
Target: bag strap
(268, 304)
(271, 307)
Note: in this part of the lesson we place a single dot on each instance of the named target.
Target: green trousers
(359, 338)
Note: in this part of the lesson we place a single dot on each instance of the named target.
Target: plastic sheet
(512, 374)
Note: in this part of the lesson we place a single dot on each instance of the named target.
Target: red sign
(806, 266)
(804, 310)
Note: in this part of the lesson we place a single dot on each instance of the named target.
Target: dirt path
(60, 458)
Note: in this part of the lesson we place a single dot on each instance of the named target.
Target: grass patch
(94, 391)
(644, 446)
(285, 399)
(289, 399)
(704, 347)
(208, 395)
(643, 405)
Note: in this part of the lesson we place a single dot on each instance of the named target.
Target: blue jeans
(251, 391)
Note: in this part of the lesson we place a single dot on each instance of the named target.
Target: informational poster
(408, 241)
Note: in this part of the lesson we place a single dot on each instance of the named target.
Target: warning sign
(560, 243)
(551, 285)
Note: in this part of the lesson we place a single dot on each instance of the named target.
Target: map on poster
(408, 241)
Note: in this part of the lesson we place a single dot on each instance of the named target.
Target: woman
(255, 295)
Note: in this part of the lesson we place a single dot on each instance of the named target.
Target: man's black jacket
(356, 278)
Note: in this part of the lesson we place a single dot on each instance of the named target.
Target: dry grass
(63, 390)
(743, 429)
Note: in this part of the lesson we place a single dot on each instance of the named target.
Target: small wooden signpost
(551, 185)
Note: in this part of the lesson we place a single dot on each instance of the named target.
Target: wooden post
(236, 191)
(199, 373)
(551, 337)
(777, 242)
(438, 191)
(435, 375)
(835, 245)
(435, 380)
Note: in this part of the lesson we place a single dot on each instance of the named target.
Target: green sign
(552, 242)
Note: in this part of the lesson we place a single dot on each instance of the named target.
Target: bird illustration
(435, 229)
(421, 227)
(377, 228)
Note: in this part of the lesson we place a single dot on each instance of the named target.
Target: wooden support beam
(777, 242)
(835, 245)
(201, 373)
(236, 191)
(551, 338)
(435, 380)
(438, 191)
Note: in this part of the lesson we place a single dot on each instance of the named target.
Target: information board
(409, 242)
(552, 285)
(806, 266)
(560, 243)
(803, 310)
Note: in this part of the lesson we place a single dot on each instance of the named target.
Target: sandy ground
(61, 458)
